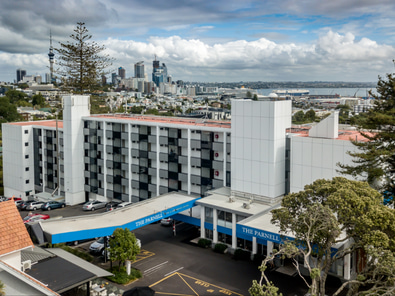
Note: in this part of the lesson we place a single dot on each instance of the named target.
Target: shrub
(204, 243)
(121, 277)
(241, 254)
(75, 252)
(220, 248)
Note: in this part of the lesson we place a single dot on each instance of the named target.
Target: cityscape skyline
(210, 42)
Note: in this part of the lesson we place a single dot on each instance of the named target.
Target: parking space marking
(144, 254)
(174, 271)
(193, 285)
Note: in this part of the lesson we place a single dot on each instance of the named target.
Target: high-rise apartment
(139, 71)
(159, 73)
(121, 72)
(20, 73)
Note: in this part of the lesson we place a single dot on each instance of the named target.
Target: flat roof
(166, 120)
(46, 123)
(238, 205)
(344, 135)
(104, 224)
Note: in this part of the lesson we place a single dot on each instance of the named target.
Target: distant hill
(287, 84)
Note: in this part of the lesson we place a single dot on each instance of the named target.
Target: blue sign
(242, 230)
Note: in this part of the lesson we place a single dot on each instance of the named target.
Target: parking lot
(172, 265)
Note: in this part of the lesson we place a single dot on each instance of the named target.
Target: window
(26, 144)
(26, 169)
(27, 181)
(26, 156)
(26, 131)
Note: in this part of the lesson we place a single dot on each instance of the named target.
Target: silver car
(34, 205)
(94, 205)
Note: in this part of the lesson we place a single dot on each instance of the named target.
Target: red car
(35, 217)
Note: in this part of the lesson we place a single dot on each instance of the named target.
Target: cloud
(331, 53)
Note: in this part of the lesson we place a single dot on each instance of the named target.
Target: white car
(123, 204)
(167, 221)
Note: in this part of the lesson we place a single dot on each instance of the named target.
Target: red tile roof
(13, 232)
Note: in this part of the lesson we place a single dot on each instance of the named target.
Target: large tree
(338, 212)
(375, 158)
(81, 61)
(123, 246)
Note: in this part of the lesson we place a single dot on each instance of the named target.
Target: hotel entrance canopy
(132, 217)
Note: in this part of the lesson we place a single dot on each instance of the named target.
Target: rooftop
(167, 119)
(14, 237)
(344, 135)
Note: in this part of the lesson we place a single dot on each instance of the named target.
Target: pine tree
(375, 158)
(81, 61)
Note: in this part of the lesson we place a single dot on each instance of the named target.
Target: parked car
(123, 204)
(35, 217)
(53, 204)
(167, 221)
(18, 203)
(93, 205)
(25, 203)
(112, 205)
(97, 247)
(34, 205)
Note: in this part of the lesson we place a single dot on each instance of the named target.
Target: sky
(210, 41)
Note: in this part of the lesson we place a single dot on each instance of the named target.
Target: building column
(189, 160)
(157, 161)
(225, 155)
(215, 224)
(104, 155)
(202, 220)
(269, 248)
(254, 247)
(347, 271)
(130, 190)
(234, 236)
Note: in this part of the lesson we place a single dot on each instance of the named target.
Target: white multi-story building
(242, 168)
(135, 157)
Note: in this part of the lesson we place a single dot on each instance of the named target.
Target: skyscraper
(139, 70)
(159, 73)
(121, 72)
(20, 73)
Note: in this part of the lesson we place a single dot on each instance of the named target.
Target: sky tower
(51, 58)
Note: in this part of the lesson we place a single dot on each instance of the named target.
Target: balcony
(152, 172)
(163, 140)
(183, 143)
(196, 144)
(163, 174)
(163, 157)
(182, 177)
(196, 179)
(195, 161)
(134, 137)
(152, 155)
(152, 138)
(135, 184)
(218, 165)
(218, 146)
(183, 159)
